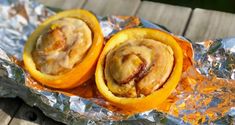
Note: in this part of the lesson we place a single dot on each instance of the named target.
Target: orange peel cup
(82, 71)
(151, 101)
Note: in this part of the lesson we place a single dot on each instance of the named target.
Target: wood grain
(8, 108)
(207, 24)
(173, 17)
(112, 7)
(63, 4)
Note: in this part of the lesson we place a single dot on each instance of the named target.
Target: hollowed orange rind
(80, 72)
(152, 100)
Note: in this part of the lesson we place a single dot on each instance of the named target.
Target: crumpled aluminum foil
(198, 99)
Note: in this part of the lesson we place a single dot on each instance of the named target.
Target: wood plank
(112, 7)
(8, 108)
(63, 4)
(173, 17)
(207, 24)
(27, 115)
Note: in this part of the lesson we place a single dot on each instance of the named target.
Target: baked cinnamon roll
(64, 44)
(62, 52)
(139, 68)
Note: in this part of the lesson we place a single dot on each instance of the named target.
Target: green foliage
(220, 5)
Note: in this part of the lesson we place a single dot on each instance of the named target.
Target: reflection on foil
(18, 20)
(216, 58)
(198, 99)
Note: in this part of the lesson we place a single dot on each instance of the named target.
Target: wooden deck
(197, 25)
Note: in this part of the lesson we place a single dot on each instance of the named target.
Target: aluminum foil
(205, 94)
